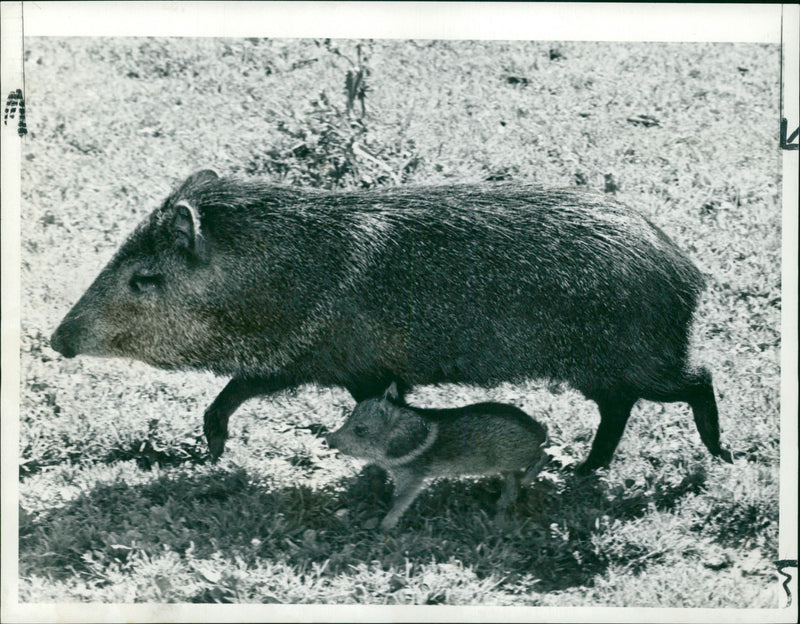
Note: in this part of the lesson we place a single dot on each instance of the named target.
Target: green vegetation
(117, 499)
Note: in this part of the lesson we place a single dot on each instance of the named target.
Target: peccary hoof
(726, 456)
(586, 468)
(216, 446)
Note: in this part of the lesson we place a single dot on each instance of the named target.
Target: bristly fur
(462, 283)
(416, 444)
(593, 280)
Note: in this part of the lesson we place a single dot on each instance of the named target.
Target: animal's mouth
(67, 339)
(119, 343)
(58, 344)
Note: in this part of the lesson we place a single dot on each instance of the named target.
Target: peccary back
(279, 286)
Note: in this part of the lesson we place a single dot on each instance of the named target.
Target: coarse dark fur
(415, 444)
(477, 284)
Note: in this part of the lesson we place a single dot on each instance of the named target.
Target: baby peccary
(415, 444)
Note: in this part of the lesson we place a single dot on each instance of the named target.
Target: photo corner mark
(785, 567)
(15, 107)
(791, 142)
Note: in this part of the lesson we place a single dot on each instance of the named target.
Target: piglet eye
(360, 430)
(141, 283)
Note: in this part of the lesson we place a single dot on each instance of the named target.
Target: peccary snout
(58, 342)
(345, 441)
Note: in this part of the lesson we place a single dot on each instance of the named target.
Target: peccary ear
(199, 177)
(409, 434)
(185, 228)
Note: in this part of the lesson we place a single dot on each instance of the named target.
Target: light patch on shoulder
(366, 239)
(370, 234)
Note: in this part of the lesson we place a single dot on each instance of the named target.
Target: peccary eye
(145, 282)
(360, 430)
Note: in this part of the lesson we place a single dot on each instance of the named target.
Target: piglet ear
(392, 393)
(185, 229)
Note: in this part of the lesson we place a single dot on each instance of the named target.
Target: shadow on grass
(548, 535)
(145, 452)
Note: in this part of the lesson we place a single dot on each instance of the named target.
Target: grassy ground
(117, 500)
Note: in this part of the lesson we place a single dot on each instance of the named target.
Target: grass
(117, 499)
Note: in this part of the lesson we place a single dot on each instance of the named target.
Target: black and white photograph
(399, 312)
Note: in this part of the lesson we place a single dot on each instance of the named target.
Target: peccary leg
(615, 409)
(533, 471)
(509, 494)
(698, 392)
(706, 418)
(238, 390)
(407, 485)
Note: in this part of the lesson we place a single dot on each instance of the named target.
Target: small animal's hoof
(501, 519)
(388, 524)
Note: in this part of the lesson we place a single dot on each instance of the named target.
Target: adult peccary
(415, 444)
(279, 286)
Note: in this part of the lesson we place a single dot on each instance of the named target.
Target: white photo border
(420, 20)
